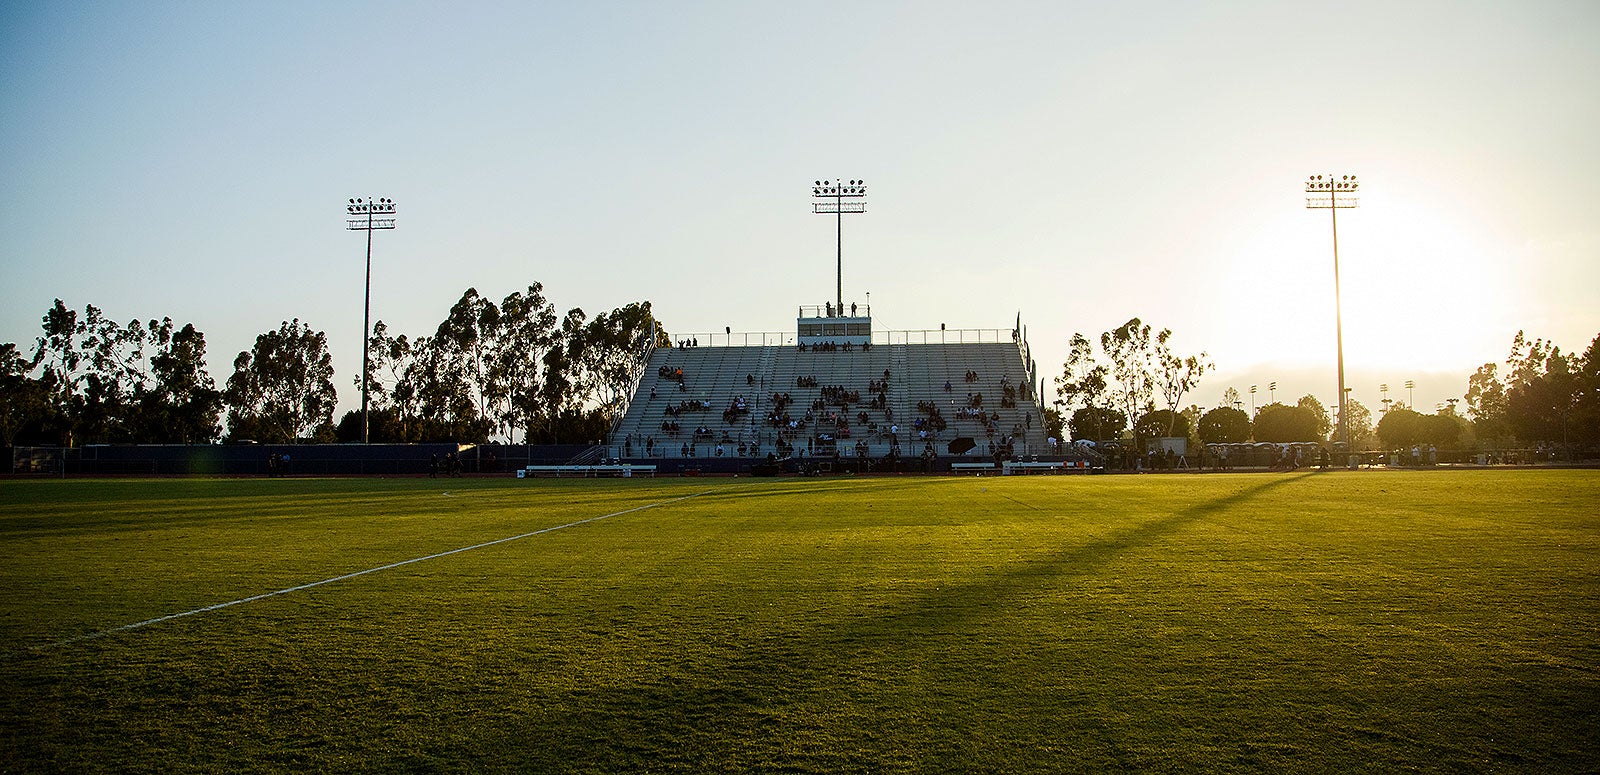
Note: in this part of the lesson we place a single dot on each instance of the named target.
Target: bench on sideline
(624, 470)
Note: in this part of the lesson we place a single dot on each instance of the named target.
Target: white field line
(287, 590)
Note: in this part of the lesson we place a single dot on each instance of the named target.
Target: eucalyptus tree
(282, 388)
(182, 404)
(1129, 348)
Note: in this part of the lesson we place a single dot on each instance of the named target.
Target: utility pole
(361, 218)
(1323, 193)
(831, 198)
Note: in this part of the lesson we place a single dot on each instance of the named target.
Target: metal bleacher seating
(714, 377)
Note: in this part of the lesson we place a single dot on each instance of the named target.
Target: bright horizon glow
(1079, 163)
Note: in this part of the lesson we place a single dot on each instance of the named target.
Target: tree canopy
(281, 390)
(1224, 424)
(1279, 423)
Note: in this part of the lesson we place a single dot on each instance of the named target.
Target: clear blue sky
(1082, 163)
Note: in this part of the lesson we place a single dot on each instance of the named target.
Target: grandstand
(837, 391)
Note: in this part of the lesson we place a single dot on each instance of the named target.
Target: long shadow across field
(737, 711)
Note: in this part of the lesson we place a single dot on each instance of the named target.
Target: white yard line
(287, 590)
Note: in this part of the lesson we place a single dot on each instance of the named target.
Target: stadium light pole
(362, 216)
(831, 196)
(1323, 192)
(1411, 395)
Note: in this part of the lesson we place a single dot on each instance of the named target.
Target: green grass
(1371, 621)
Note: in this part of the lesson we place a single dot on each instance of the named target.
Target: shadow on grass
(750, 710)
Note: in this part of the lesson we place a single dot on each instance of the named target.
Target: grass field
(1370, 621)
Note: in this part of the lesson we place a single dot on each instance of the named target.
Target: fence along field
(1431, 620)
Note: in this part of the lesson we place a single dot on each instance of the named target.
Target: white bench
(624, 470)
(959, 467)
(1025, 468)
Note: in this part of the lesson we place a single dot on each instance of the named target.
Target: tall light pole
(831, 198)
(1411, 395)
(362, 217)
(1272, 392)
(1324, 193)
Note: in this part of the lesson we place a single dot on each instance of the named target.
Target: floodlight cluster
(836, 188)
(358, 207)
(1345, 183)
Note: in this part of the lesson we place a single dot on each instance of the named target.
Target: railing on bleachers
(909, 336)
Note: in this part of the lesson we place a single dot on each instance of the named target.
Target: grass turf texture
(1341, 621)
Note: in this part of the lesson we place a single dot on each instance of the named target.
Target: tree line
(513, 370)
(1539, 397)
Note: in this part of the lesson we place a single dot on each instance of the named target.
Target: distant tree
(1360, 421)
(1191, 415)
(1319, 413)
(182, 404)
(613, 357)
(391, 389)
(1083, 382)
(1224, 425)
(1160, 423)
(1444, 429)
(1279, 423)
(527, 331)
(1400, 428)
(560, 410)
(463, 347)
(1097, 423)
(1175, 376)
(1486, 396)
(114, 374)
(1130, 349)
(1487, 406)
(282, 389)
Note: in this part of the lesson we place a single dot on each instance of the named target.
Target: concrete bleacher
(718, 375)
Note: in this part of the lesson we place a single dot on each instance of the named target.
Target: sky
(1078, 164)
